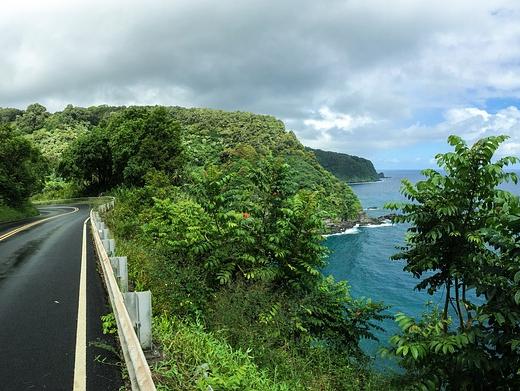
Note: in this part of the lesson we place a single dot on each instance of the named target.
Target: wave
(356, 229)
(386, 223)
(349, 231)
(372, 208)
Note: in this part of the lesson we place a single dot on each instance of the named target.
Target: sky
(385, 80)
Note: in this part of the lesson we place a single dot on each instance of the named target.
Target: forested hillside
(221, 215)
(208, 137)
(218, 136)
(346, 167)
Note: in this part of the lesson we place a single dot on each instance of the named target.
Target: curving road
(40, 266)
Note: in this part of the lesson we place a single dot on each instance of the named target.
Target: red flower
(245, 215)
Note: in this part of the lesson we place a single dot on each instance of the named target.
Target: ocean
(362, 257)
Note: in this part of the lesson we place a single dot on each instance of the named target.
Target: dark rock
(332, 226)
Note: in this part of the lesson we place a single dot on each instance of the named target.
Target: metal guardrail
(138, 369)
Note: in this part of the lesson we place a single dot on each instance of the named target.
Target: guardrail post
(104, 233)
(133, 314)
(139, 307)
(110, 246)
(106, 245)
(120, 268)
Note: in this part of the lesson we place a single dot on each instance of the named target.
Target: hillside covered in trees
(209, 137)
(348, 168)
(221, 215)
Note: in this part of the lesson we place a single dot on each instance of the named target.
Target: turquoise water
(362, 257)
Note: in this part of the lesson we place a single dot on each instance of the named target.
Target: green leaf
(517, 297)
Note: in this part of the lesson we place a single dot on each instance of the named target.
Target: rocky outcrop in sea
(334, 227)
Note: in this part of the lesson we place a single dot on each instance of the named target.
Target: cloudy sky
(387, 80)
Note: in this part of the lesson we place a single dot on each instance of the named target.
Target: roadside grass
(8, 214)
(197, 360)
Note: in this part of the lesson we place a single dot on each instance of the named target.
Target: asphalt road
(39, 295)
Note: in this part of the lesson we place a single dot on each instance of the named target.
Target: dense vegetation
(221, 216)
(225, 235)
(48, 136)
(346, 167)
(208, 137)
(464, 240)
(22, 169)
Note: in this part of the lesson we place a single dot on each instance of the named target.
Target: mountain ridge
(348, 168)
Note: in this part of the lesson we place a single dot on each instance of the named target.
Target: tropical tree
(32, 119)
(88, 162)
(255, 235)
(8, 115)
(463, 237)
(22, 168)
(53, 143)
(133, 143)
(143, 139)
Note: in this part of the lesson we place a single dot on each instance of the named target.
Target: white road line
(27, 226)
(80, 363)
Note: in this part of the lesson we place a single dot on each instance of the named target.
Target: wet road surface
(39, 295)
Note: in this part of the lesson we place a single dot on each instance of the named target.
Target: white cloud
(330, 119)
(458, 115)
(375, 137)
(471, 124)
(365, 70)
(511, 148)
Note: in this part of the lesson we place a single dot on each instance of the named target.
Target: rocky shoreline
(335, 227)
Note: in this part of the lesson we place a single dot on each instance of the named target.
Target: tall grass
(196, 360)
(11, 214)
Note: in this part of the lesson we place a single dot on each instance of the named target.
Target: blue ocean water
(362, 257)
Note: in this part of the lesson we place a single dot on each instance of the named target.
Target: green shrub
(195, 360)
(11, 214)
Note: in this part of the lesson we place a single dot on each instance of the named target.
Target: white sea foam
(356, 229)
(349, 231)
(386, 223)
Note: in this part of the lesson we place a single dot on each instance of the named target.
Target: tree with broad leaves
(22, 169)
(463, 236)
(32, 119)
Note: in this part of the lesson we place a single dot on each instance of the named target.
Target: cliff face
(347, 167)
